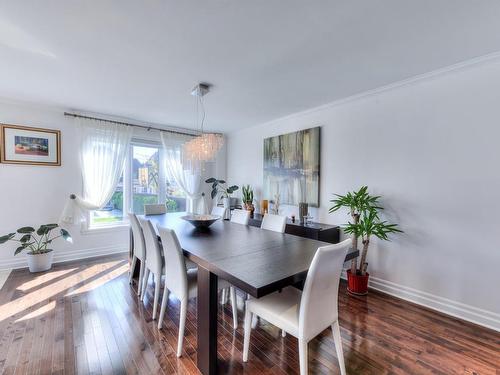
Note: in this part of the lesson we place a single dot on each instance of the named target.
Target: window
(145, 177)
(143, 182)
(112, 212)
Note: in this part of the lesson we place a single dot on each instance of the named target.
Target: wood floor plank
(83, 317)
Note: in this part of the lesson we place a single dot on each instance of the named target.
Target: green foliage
(247, 194)
(172, 205)
(356, 202)
(117, 200)
(364, 209)
(36, 241)
(218, 188)
(139, 200)
(370, 225)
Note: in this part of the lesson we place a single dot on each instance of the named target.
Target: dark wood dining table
(254, 260)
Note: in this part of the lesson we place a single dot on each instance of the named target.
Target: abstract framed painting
(291, 167)
(27, 145)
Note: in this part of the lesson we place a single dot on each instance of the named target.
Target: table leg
(207, 321)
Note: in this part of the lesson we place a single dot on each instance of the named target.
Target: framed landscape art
(26, 145)
(291, 167)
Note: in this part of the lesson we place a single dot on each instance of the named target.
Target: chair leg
(144, 283)
(255, 320)
(132, 268)
(157, 294)
(182, 324)
(234, 307)
(222, 296)
(303, 356)
(248, 332)
(164, 303)
(141, 279)
(338, 346)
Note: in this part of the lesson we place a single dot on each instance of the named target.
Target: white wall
(430, 147)
(34, 195)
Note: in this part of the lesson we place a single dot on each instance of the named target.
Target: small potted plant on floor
(366, 223)
(247, 197)
(37, 243)
(219, 187)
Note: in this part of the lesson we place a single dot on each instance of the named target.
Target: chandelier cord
(203, 113)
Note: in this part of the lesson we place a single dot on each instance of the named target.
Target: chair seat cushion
(279, 309)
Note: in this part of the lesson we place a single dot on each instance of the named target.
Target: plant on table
(219, 187)
(247, 198)
(364, 210)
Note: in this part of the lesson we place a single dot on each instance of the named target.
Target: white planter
(40, 262)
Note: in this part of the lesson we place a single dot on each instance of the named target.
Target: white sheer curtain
(186, 175)
(102, 153)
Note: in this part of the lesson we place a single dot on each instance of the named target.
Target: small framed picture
(26, 145)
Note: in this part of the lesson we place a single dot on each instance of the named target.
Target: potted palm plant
(247, 198)
(365, 224)
(37, 243)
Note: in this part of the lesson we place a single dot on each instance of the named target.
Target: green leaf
(19, 249)
(210, 180)
(222, 181)
(7, 237)
(26, 230)
(234, 188)
(41, 231)
(65, 234)
(213, 193)
(51, 226)
(25, 238)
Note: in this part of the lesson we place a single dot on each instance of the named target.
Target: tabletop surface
(255, 260)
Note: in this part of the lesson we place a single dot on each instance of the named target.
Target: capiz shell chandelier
(205, 146)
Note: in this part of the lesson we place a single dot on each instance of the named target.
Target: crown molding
(458, 67)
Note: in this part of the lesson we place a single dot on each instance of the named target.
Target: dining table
(254, 260)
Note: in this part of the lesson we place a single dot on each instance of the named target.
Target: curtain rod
(148, 128)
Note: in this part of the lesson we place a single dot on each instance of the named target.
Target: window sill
(118, 227)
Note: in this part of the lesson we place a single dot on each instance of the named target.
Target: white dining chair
(240, 217)
(219, 211)
(139, 250)
(305, 314)
(154, 261)
(181, 282)
(275, 223)
(155, 209)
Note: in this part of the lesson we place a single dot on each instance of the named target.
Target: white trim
(392, 86)
(456, 309)
(65, 255)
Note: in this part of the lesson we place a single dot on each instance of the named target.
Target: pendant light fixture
(205, 146)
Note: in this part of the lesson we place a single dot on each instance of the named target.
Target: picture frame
(29, 145)
(292, 167)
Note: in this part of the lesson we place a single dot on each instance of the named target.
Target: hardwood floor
(83, 317)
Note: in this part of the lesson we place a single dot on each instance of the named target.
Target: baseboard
(456, 309)
(64, 256)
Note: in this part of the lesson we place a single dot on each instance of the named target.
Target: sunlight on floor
(43, 278)
(102, 273)
(40, 311)
(4, 274)
(100, 281)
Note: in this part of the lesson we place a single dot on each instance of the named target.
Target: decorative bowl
(201, 221)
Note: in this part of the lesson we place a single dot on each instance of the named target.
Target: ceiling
(264, 58)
